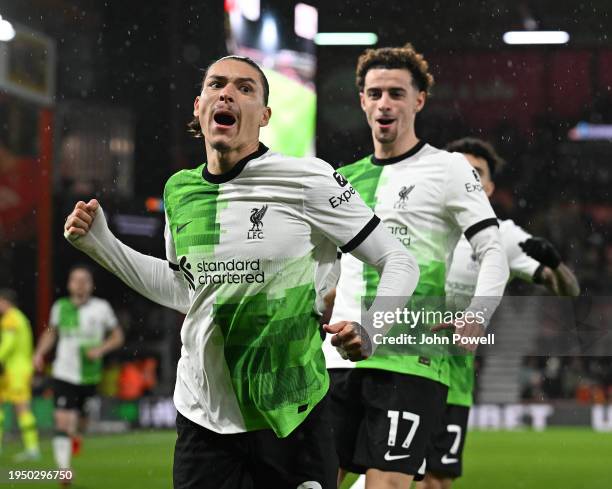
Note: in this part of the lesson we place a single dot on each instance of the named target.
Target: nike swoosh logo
(179, 228)
(390, 458)
(447, 460)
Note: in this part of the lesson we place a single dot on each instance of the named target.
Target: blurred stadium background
(94, 99)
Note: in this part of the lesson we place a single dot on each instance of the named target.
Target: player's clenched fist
(351, 340)
(81, 218)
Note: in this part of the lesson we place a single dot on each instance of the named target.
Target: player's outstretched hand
(468, 330)
(80, 220)
(542, 250)
(351, 340)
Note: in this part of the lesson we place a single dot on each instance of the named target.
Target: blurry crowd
(560, 189)
(586, 380)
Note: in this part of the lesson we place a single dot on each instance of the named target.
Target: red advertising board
(516, 86)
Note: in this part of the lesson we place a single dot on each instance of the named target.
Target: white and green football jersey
(256, 245)
(426, 198)
(460, 287)
(79, 329)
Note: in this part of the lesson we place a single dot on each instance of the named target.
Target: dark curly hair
(480, 149)
(193, 126)
(405, 58)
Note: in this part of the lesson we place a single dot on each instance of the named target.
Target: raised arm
(86, 229)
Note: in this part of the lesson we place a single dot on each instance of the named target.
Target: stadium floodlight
(536, 37)
(269, 34)
(346, 38)
(250, 9)
(306, 21)
(585, 131)
(7, 31)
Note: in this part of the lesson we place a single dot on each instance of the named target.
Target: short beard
(385, 138)
(220, 146)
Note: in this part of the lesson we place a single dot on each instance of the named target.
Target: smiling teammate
(251, 236)
(386, 410)
(530, 259)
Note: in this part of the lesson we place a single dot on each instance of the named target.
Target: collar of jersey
(235, 171)
(389, 161)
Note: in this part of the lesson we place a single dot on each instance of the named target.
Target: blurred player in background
(530, 259)
(87, 329)
(386, 409)
(251, 237)
(16, 372)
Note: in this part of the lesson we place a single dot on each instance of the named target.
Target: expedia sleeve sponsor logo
(340, 179)
(473, 187)
(344, 197)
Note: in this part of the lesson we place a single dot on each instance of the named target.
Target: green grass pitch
(138, 460)
(556, 458)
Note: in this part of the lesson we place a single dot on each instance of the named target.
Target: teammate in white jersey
(251, 238)
(87, 329)
(386, 409)
(530, 259)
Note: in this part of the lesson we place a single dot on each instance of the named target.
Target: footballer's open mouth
(385, 121)
(224, 118)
